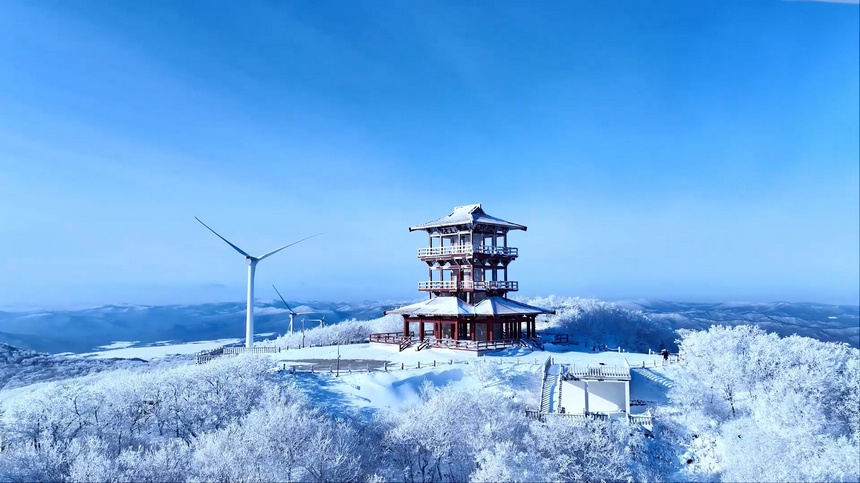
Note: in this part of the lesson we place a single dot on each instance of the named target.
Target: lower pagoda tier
(450, 322)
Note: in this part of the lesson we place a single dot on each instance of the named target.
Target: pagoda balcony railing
(468, 249)
(454, 286)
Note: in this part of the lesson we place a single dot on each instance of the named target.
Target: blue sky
(677, 150)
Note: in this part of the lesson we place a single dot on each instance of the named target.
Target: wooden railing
(467, 249)
(453, 285)
(210, 355)
(536, 414)
(251, 350)
(491, 285)
(389, 337)
(406, 342)
(439, 285)
(596, 372)
(302, 367)
(472, 345)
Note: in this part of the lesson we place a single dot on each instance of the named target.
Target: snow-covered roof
(503, 306)
(469, 215)
(454, 306)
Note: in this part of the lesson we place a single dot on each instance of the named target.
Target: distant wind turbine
(321, 320)
(252, 267)
(292, 314)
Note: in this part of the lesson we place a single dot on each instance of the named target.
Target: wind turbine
(252, 267)
(292, 314)
(320, 320)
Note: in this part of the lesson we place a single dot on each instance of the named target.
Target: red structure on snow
(467, 263)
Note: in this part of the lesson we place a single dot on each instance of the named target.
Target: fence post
(452, 362)
(401, 366)
(419, 364)
(385, 366)
(434, 362)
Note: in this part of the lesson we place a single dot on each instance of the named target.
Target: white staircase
(548, 392)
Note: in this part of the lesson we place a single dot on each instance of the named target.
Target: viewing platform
(467, 286)
(467, 250)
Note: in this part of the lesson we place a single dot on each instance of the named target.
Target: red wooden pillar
(455, 330)
(405, 327)
(421, 329)
(491, 326)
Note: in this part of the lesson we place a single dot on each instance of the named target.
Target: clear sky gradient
(676, 150)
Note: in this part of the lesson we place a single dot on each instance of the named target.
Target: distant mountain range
(84, 330)
(58, 331)
(830, 323)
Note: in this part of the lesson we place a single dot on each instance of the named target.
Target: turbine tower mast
(252, 268)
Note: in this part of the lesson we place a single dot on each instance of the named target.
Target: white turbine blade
(282, 300)
(221, 237)
(279, 249)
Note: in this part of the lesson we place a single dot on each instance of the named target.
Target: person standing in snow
(665, 354)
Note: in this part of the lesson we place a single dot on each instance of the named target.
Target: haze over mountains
(84, 330)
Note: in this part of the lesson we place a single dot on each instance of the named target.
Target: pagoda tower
(467, 260)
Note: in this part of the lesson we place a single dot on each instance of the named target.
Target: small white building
(597, 390)
(587, 392)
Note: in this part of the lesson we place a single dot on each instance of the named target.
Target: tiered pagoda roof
(454, 307)
(468, 216)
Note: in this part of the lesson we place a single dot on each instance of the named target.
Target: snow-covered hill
(648, 323)
(829, 323)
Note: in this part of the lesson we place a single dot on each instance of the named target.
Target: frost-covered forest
(745, 405)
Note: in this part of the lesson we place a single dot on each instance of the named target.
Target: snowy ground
(158, 351)
(390, 353)
(516, 372)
